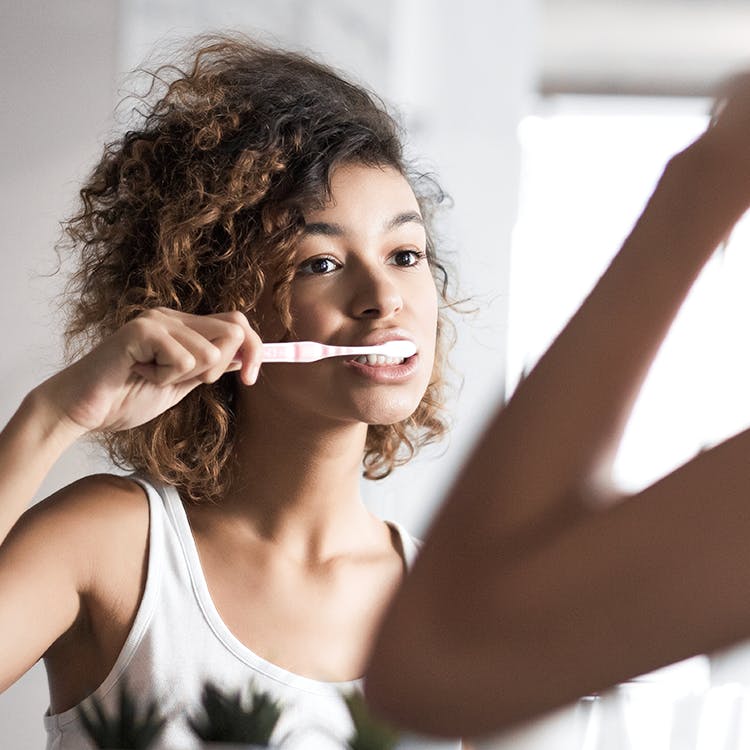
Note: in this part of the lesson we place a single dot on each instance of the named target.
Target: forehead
(365, 194)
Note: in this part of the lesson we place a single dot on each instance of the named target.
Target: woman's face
(361, 278)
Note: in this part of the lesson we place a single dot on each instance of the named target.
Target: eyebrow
(330, 229)
(404, 218)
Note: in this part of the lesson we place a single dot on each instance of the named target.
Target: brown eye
(317, 266)
(407, 258)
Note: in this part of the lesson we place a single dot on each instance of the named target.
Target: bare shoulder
(97, 529)
(73, 565)
(88, 522)
(96, 501)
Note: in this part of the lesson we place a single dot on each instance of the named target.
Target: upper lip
(387, 334)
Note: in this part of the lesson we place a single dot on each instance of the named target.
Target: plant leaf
(369, 733)
(226, 717)
(123, 729)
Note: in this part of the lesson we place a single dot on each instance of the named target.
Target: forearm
(32, 441)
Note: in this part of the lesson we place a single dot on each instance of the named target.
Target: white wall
(459, 72)
(463, 73)
(641, 47)
(56, 91)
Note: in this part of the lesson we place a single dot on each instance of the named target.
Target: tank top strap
(409, 544)
(168, 540)
(57, 723)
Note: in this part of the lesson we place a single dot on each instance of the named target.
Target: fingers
(730, 120)
(248, 354)
(156, 354)
(720, 157)
(732, 94)
(169, 347)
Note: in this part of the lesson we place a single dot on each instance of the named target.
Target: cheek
(313, 320)
(429, 302)
(309, 318)
(432, 302)
(269, 325)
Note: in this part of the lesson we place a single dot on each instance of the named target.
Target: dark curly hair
(199, 206)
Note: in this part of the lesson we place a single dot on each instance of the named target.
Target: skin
(535, 587)
(293, 536)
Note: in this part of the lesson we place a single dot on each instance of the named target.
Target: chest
(319, 623)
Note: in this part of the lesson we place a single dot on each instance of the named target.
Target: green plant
(227, 717)
(125, 729)
(369, 732)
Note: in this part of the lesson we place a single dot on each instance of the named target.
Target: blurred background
(547, 121)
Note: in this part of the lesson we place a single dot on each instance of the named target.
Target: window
(589, 165)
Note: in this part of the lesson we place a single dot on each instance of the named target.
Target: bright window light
(589, 165)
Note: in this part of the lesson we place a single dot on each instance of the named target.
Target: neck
(296, 481)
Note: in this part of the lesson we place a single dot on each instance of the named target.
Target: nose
(375, 294)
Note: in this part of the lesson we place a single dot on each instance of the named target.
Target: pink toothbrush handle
(294, 351)
(311, 351)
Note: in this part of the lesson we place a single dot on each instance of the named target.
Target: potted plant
(369, 733)
(125, 729)
(228, 721)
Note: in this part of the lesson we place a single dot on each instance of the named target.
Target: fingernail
(253, 374)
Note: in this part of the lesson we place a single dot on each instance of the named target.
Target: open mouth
(381, 369)
(379, 360)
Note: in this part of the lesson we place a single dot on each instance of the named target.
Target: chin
(386, 413)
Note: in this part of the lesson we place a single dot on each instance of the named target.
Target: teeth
(378, 360)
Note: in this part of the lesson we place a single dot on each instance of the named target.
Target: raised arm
(529, 593)
(137, 373)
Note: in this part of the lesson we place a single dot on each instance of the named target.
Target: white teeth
(377, 360)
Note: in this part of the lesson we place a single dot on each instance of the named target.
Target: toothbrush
(311, 351)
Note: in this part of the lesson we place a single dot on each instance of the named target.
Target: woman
(260, 198)
(534, 588)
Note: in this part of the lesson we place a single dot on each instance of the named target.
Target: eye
(408, 258)
(319, 266)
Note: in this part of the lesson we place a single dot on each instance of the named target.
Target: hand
(724, 149)
(731, 108)
(711, 177)
(148, 366)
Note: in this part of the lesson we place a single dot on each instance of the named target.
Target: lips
(391, 374)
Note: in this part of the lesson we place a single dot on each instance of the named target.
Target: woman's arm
(479, 645)
(496, 622)
(140, 371)
(46, 557)
(30, 445)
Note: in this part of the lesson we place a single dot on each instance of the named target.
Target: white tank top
(178, 641)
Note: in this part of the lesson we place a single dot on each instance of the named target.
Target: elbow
(411, 676)
(433, 685)
(401, 684)
(445, 664)
(405, 680)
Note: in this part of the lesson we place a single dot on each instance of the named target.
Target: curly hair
(200, 205)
